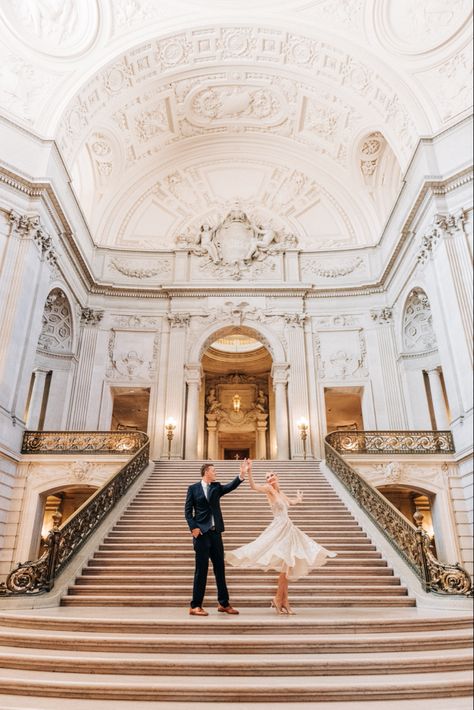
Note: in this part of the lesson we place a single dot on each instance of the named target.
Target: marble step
(278, 689)
(355, 572)
(212, 665)
(309, 591)
(145, 580)
(362, 600)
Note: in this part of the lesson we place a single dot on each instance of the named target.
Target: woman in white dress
(281, 546)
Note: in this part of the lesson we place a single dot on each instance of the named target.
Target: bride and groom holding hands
(281, 547)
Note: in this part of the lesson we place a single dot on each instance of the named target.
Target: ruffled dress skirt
(281, 547)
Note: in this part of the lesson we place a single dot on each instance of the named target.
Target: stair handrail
(410, 541)
(64, 541)
(392, 441)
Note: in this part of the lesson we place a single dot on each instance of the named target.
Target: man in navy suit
(202, 511)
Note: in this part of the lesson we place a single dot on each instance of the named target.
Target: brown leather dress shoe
(198, 611)
(227, 609)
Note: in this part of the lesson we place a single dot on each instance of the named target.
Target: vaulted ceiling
(168, 113)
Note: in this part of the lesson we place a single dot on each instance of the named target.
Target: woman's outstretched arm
(255, 486)
(294, 501)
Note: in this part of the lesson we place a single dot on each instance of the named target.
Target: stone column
(25, 270)
(280, 379)
(175, 383)
(298, 401)
(446, 264)
(90, 319)
(385, 362)
(261, 436)
(438, 400)
(193, 381)
(36, 400)
(211, 437)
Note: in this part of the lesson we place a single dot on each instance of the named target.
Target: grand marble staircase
(123, 638)
(147, 559)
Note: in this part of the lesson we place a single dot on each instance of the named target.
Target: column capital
(382, 316)
(193, 374)
(280, 373)
(443, 226)
(179, 320)
(91, 317)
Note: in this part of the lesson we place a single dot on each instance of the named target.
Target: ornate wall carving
(341, 354)
(132, 356)
(418, 333)
(56, 331)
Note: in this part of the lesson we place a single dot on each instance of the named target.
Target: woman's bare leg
(281, 592)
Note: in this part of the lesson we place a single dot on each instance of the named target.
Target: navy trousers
(209, 546)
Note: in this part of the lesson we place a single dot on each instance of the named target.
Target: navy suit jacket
(199, 511)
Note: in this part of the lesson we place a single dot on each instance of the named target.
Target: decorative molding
(332, 269)
(139, 272)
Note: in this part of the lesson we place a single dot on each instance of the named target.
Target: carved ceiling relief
(341, 355)
(280, 196)
(56, 331)
(231, 100)
(53, 27)
(132, 356)
(418, 333)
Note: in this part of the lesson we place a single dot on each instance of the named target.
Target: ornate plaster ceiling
(166, 113)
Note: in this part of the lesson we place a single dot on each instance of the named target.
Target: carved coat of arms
(235, 244)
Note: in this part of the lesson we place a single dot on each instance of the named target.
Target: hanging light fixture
(236, 402)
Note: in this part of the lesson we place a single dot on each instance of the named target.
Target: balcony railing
(392, 442)
(64, 541)
(411, 542)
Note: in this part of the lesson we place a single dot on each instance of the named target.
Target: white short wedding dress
(281, 547)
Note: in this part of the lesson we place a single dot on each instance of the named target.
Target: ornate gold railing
(410, 541)
(65, 540)
(82, 442)
(392, 442)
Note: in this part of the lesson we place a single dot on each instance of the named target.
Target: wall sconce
(303, 427)
(170, 426)
(236, 402)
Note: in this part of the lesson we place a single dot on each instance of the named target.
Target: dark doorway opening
(236, 454)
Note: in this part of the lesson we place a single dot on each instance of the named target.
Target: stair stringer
(80, 560)
(401, 569)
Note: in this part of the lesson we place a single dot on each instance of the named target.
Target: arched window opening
(66, 501)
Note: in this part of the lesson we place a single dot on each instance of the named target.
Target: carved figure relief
(235, 243)
(418, 333)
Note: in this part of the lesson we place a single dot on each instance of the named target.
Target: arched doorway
(237, 402)
(271, 369)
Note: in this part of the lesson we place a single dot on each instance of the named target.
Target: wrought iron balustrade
(392, 442)
(82, 442)
(64, 541)
(410, 541)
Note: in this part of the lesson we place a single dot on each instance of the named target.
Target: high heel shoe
(277, 607)
(286, 609)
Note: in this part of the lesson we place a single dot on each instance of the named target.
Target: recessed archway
(237, 398)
